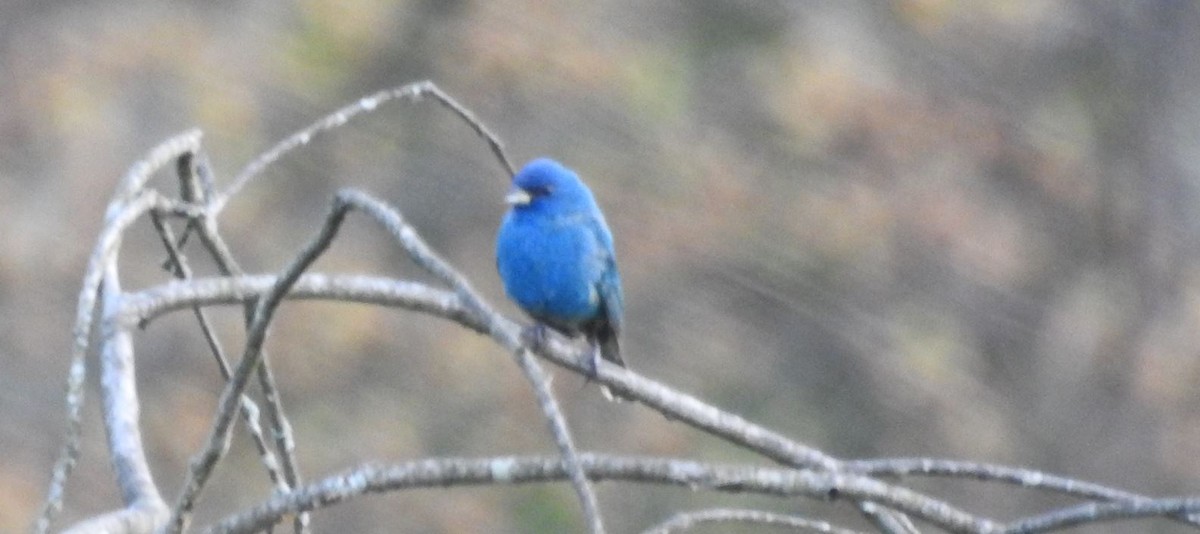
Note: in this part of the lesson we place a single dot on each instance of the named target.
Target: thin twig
(218, 440)
(673, 404)
(178, 265)
(413, 91)
(196, 183)
(285, 441)
(885, 519)
(249, 410)
(687, 520)
(281, 429)
(1025, 478)
(1089, 513)
(139, 174)
(562, 439)
(493, 141)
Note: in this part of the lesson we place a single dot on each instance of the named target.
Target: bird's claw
(593, 363)
(534, 336)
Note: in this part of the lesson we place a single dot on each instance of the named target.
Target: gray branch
(126, 206)
(451, 472)
(686, 520)
(805, 472)
(178, 264)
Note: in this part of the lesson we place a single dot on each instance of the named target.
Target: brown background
(921, 227)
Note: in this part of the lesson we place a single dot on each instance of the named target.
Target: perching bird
(555, 255)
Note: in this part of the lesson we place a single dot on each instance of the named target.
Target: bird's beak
(517, 197)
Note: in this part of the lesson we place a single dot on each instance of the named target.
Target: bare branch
(132, 519)
(142, 307)
(1025, 478)
(139, 174)
(119, 391)
(425, 257)
(412, 91)
(673, 404)
(139, 493)
(447, 472)
(888, 521)
(479, 315)
(178, 265)
(686, 520)
(218, 440)
(196, 179)
(429, 88)
(808, 472)
(1098, 512)
(118, 215)
(562, 439)
(152, 302)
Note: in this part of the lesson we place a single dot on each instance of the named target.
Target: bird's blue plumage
(555, 256)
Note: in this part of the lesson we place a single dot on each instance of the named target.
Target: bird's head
(546, 185)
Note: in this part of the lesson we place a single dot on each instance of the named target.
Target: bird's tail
(610, 350)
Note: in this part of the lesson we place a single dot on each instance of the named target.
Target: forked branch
(804, 471)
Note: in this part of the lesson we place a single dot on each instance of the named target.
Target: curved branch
(177, 263)
(120, 214)
(562, 439)
(1025, 478)
(256, 333)
(448, 472)
(147, 304)
(673, 404)
(1098, 512)
(150, 303)
(132, 519)
(135, 179)
(222, 255)
(121, 408)
(411, 92)
(143, 307)
(686, 520)
(822, 476)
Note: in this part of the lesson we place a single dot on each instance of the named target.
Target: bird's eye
(539, 190)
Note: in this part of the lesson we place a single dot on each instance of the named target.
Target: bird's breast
(550, 268)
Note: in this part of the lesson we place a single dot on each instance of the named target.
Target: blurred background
(900, 228)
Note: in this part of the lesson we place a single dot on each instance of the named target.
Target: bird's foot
(592, 372)
(534, 336)
(593, 363)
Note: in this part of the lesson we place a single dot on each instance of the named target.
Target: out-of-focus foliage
(918, 227)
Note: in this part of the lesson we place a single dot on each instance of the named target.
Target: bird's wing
(608, 328)
(610, 296)
(609, 284)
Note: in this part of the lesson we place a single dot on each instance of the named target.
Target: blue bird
(555, 256)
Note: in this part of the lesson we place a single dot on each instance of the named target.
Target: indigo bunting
(555, 256)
